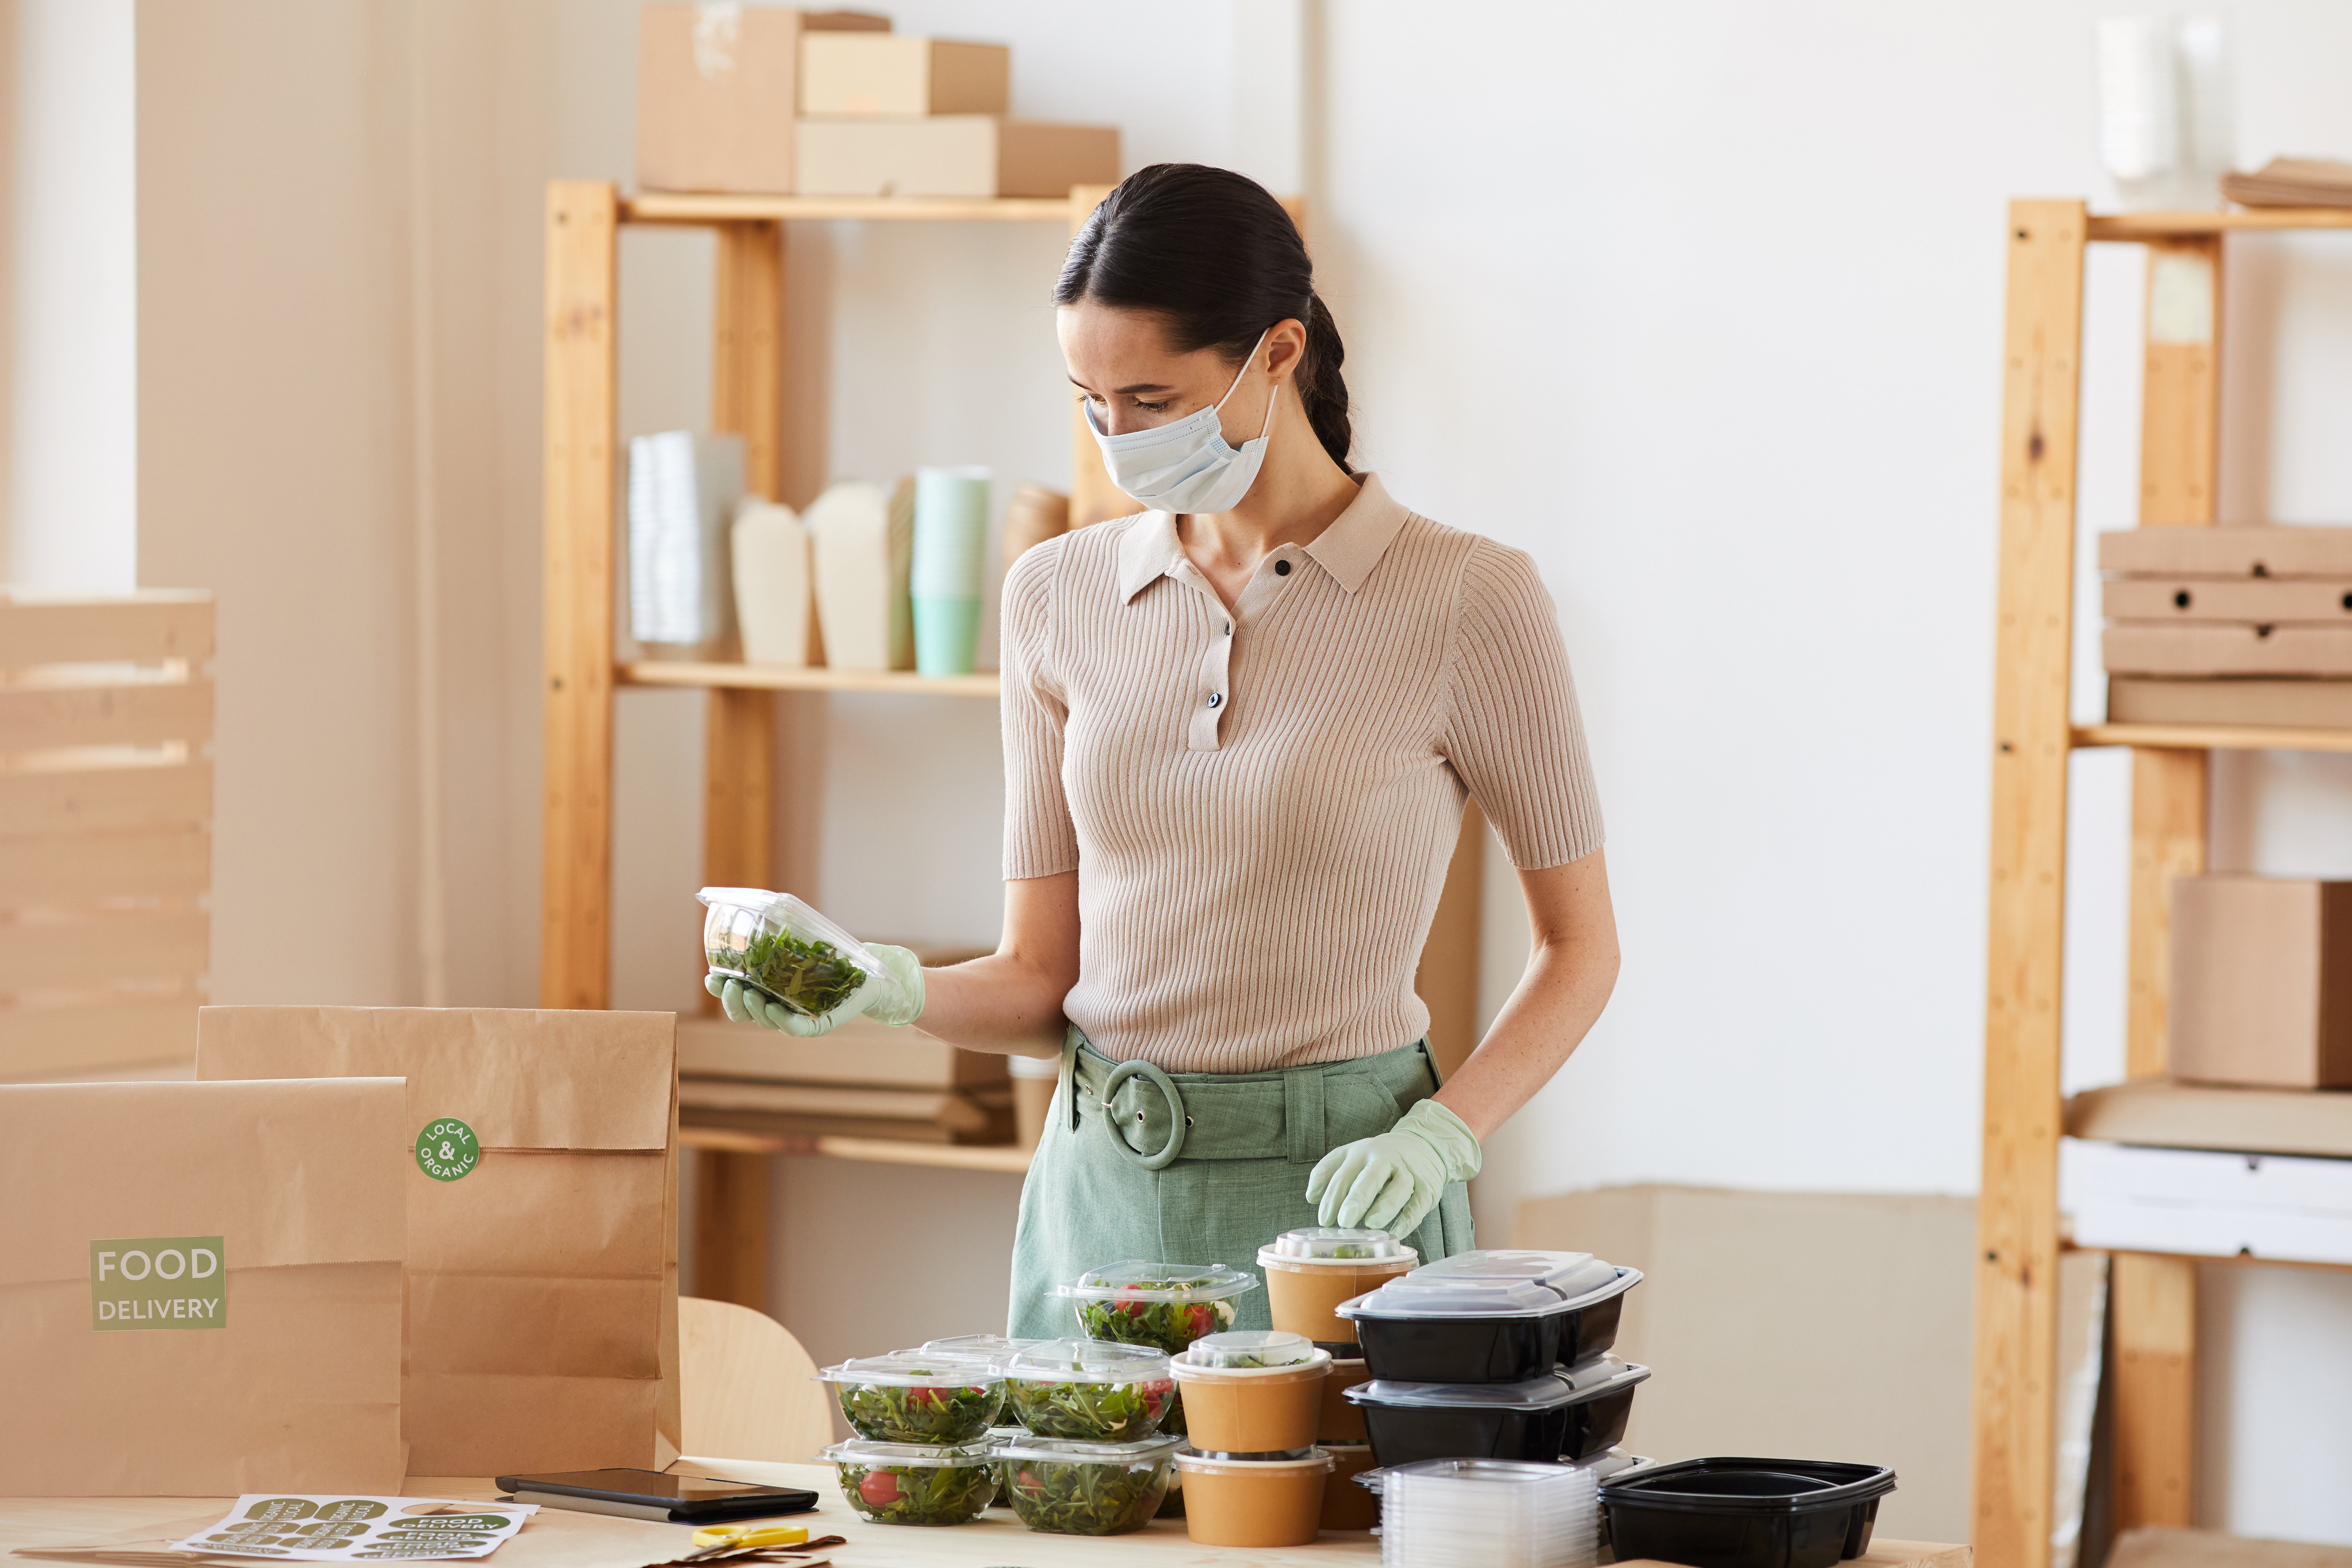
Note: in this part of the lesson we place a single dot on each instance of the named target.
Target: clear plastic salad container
(1087, 1488)
(910, 1397)
(1090, 1390)
(1164, 1305)
(774, 941)
(904, 1483)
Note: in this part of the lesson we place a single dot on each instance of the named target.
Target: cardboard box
(717, 93)
(2270, 550)
(2261, 981)
(2217, 648)
(953, 155)
(899, 73)
(2281, 704)
(2206, 1203)
(2263, 601)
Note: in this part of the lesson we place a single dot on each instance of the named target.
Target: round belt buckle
(1178, 1121)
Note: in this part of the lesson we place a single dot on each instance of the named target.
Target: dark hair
(1216, 257)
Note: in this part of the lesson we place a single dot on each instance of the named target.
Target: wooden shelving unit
(2152, 1297)
(584, 219)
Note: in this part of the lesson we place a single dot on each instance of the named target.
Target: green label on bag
(446, 1149)
(159, 1283)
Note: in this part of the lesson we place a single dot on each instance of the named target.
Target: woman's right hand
(883, 1004)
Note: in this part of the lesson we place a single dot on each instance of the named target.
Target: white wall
(1700, 303)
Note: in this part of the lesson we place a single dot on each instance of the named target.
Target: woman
(1238, 732)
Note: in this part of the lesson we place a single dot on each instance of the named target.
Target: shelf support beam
(2154, 1299)
(576, 928)
(2017, 1269)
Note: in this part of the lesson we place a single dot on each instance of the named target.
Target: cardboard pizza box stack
(2229, 625)
(833, 103)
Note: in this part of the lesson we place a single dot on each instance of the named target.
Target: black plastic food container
(1562, 1415)
(1747, 1513)
(1491, 1316)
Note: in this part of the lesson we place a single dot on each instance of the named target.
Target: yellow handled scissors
(714, 1538)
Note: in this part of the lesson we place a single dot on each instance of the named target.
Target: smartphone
(652, 1494)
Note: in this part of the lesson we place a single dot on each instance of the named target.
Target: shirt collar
(1347, 549)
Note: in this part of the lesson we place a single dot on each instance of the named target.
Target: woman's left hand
(1391, 1182)
(883, 1004)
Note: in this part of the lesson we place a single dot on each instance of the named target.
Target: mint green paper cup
(947, 636)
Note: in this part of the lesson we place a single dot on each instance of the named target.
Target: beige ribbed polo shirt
(1261, 805)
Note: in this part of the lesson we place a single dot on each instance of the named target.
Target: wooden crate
(106, 799)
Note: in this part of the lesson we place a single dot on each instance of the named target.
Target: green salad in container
(904, 1483)
(1087, 1488)
(910, 1397)
(780, 946)
(1090, 1392)
(1164, 1305)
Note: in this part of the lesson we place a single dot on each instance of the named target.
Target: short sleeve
(1039, 837)
(1512, 729)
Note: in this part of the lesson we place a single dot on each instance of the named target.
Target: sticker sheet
(337, 1527)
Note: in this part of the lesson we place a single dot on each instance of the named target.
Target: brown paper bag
(199, 1288)
(542, 1220)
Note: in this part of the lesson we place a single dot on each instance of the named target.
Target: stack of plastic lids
(1488, 1514)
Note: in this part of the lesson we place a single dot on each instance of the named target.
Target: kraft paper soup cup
(1341, 1422)
(1345, 1505)
(1309, 1272)
(1254, 1502)
(1252, 1393)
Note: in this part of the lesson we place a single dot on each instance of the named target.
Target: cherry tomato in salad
(879, 1489)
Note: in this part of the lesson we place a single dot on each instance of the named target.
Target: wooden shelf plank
(2168, 1115)
(789, 677)
(1010, 1159)
(2174, 224)
(672, 206)
(2214, 737)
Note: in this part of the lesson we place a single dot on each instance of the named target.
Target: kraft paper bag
(199, 1288)
(541, 1177)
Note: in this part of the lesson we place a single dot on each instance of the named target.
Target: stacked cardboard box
(833, 103)
(865, 1079)
(2229, 625)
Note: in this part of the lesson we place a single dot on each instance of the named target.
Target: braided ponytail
(1219, 260)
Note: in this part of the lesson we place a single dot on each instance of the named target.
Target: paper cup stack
(1488, 1514)
(950, 540)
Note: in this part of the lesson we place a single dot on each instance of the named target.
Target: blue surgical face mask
(1184, 465)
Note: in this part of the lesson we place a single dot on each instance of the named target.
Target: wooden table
(558, 1538)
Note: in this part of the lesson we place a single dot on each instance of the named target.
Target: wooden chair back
(746, 1389)
(106, 804)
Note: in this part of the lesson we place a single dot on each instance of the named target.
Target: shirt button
(1281, 568)
(1229, 628)
(1216, 697)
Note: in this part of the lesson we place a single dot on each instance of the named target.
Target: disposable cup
(946, 635)
(950, 531)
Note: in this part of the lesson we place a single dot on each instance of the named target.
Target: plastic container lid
(1235, 1464)
(1590, 1380)
(1137, 1279)
(1494, 1292)
(1251, 1350)
(1333, 1245)
(909, 1456)
(1569, 1273)
(913, 1369)
(985, 1347)
(1085, 1360)
(740, 915)
(1069, 1451)
(1611, 1463)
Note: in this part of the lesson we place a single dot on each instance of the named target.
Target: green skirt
(1198, 1168)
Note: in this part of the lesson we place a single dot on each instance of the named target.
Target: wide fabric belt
(1159, 1117)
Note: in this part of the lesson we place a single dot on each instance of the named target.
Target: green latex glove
(750, 1004)
(1391, 1182)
